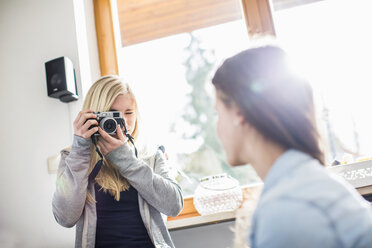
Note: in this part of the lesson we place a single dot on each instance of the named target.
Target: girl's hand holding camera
(108, 143)
(83, 122)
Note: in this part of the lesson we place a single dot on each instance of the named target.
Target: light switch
(53, 162)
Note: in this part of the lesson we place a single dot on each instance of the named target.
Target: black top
(119, 223)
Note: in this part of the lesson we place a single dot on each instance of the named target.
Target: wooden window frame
(106, 43)
(258, 18)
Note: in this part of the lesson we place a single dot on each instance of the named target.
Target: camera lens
(108, 125)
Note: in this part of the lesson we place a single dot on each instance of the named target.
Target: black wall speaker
(61, 82)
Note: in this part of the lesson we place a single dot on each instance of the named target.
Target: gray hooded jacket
(158, 193)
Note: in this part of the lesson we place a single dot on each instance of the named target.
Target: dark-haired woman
(266, 118)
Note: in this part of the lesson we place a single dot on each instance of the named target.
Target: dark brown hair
(272, 99)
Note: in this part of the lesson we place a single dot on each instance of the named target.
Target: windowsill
(201, 220)
(189, 217)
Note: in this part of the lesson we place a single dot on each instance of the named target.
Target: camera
(108, 121)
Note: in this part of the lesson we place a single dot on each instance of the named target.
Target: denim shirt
(303, 205)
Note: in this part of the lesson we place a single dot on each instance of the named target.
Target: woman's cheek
(219, 129)
(131, 122)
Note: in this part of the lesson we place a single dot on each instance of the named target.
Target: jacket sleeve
(156, 187)
(72, 182)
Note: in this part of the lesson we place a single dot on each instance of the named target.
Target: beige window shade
(146, 20)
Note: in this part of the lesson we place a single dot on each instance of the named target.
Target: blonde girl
(122, 205)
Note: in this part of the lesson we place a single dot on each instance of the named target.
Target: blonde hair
(100, 97)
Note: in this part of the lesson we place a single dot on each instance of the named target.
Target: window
(257, 16)
(171, 79)
(332, 41)
(183, 42)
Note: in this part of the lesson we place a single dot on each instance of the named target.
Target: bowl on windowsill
(216, 194)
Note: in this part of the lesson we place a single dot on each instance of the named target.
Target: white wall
(32, 125)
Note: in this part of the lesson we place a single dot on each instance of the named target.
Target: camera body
(108, 121)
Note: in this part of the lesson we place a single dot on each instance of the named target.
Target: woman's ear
(239, 119)
(236, 122)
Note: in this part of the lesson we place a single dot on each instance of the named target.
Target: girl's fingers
(84, 117)
(119, 133)
(90, 132)
(88, 124)
(108, 143)
(104, 142)
(100, 142)
(105, 135)
(78, 117)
